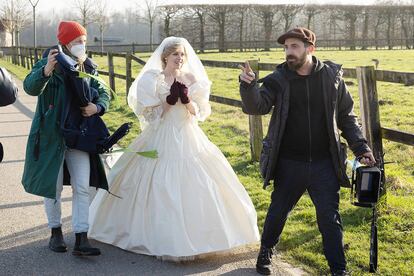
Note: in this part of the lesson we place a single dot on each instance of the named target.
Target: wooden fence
(366, 76)
(258, 45)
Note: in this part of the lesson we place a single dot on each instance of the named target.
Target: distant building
(5, 36)
(108, 40)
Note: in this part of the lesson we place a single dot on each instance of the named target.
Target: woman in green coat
(49, 162)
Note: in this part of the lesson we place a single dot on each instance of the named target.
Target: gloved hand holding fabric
(174, 93)
(184, 94)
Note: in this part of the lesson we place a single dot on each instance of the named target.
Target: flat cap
(301, 33)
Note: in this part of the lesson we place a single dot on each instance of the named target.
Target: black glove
(184, 94)
(174, 93)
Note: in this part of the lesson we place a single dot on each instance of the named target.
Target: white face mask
(78, 50)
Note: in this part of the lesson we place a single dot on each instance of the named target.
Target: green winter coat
(40, 176)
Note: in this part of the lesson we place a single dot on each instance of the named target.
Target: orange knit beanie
(69, 30)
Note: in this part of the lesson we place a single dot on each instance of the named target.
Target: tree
(365, 28)
(168, 12)
(334, 24)
(390, 14)
(288, 13)
(310, 12)
(151, 13)
(241, 16)
(200, 12)
(378, 18)
(350, 15)
(102, 19)
(86, 10)
(266, 14)
(404, 15)
(15, 16)
(218, 14)
(411, 11)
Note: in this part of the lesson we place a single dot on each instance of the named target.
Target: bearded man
(302, 151)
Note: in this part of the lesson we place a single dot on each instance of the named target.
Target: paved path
(24, 234)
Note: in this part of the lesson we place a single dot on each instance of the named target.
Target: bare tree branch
(167, 13)
(151, 13)
(267, 14)
(15, 15)
(218, 14)
(86, 10)
(289, 13)
(102, 19)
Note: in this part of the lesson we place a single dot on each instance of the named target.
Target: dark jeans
(292, 179)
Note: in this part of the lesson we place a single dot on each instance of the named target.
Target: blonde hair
(169, 49)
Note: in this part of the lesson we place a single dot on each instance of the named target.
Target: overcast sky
(120, 5)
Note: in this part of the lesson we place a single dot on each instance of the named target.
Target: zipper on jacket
(309, 121)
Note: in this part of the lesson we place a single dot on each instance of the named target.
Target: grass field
(301, 244)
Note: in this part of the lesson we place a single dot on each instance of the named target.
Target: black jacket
(338, 105)
(8, 90)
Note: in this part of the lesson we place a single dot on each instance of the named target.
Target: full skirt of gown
(186, 202)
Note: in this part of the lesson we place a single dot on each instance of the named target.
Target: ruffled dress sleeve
(147, 101)
(199, 93)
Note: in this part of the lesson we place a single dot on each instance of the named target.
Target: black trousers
(292, 179)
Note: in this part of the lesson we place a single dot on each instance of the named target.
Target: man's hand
(89, 110)
(368, 159)
(51, 62)
(247, 74)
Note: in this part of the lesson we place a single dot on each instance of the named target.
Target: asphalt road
(24, 234)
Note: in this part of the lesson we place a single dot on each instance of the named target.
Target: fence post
(255, 123)
(128, 73)
(31, 57)
(27, 58)
(12, 55)
(36, 55)
(111, 71)
(16, 55)
(22, 57)
(369, 108)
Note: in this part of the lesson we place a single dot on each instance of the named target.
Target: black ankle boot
(56, 243)
(264, 261)
(341, 273)
(82, 246)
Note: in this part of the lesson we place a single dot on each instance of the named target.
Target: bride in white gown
(188, 201)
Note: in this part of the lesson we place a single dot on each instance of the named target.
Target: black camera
(366, 186)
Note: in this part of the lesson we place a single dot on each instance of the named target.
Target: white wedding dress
(186, 202)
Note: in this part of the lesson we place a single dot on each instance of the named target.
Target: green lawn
(301, 244)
